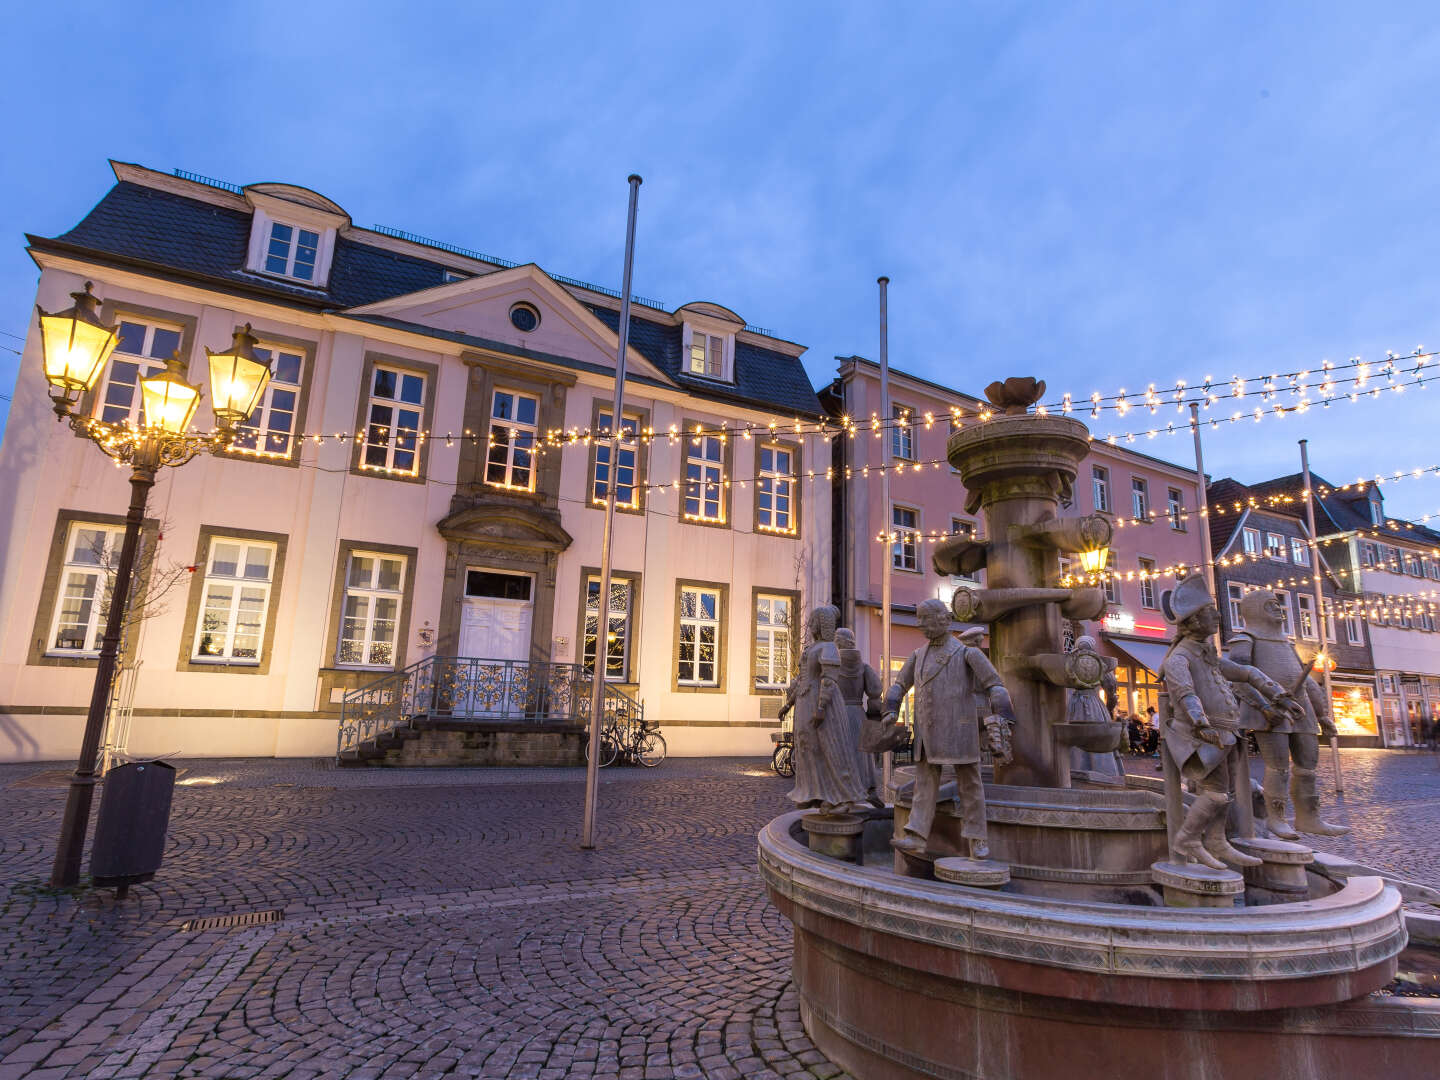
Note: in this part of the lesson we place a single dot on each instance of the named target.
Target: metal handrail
(475, 689)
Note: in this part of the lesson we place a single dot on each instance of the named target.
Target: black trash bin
(134, 816)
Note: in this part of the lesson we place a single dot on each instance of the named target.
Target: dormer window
(709, 355)
(292, 251)
(1377, 509)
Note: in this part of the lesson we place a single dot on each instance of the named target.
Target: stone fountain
(1098, 954)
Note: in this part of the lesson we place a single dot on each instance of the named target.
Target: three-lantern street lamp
(77, 344)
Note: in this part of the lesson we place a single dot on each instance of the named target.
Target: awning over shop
(1148, 654)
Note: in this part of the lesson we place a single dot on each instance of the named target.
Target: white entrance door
(495, 619)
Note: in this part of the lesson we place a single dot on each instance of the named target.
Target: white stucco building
(428, 513)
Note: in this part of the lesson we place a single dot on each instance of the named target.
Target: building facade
(418, 481)
(1262, 542)
(1151, 504)
(1393, 566)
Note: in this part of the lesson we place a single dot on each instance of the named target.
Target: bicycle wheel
(609, 748)
(650, 749)
(782, 761)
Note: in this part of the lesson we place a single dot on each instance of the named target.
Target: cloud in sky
(1104, 197)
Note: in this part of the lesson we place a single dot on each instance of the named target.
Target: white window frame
(905, 548)
(1276, 548)
(902, 432)
(623, 617)
(777, 486)
(1110, 583)
(768, 632)
(373, 594)
(1175, 508)
(1147, 584)
(705, 479)
(1369, 554)
(508, 439)
(258, 428)
(146, 364)
(726, 357)
(1140, 498)
(102, 571)
(391, 434)
(236, 583)
(1234, 593)
(1328, 612)
(294, 244)
(1287, 619)
(1100, 488)
(697, 624)
(322, 223)
(1354, 633)
(971, 531)
(628, 454)
(1252, 541)
(1409, 560)
(1305, 612)
(1299, 551)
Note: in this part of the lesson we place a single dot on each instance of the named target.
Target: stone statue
(830, 773)
(947, 676)
(1201, 731)
(859, 686)
(1095, 705)
(1283, 734)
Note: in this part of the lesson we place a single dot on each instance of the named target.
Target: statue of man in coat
(947, 677)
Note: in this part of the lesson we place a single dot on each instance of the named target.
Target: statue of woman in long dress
(828, 773)
(1091, 705)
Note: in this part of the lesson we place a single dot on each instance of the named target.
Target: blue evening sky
(1103, 195)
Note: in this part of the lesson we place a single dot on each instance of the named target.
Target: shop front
(1138, 649)
(1352, 703)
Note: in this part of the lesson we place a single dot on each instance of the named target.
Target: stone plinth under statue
(1096, 934)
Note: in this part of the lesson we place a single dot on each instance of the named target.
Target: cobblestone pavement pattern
(446, 923)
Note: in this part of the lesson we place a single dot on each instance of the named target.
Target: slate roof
(171, 235)
(1347, 511)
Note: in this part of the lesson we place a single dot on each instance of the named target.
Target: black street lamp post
(77, 345)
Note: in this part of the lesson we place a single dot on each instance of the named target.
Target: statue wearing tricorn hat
(1204, 724)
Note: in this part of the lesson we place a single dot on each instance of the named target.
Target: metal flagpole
(887, 556)
(602, 606)
(1244, 811)
(1320, 611)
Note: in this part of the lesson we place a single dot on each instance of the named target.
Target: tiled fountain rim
(1355, 928)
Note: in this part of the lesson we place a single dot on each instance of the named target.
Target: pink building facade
(1151, 503)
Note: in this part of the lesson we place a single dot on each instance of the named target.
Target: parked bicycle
(637, 740)
(783, 758)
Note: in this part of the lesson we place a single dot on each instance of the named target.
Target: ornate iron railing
(470, 689)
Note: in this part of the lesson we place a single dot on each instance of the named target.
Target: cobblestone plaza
(446, 923)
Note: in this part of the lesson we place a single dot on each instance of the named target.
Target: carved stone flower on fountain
(1016, 394)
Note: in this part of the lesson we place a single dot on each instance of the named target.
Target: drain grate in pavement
(232, 922)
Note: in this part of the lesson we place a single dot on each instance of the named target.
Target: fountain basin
(901, 977)
(1098, 737)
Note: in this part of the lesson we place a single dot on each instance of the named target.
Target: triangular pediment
(481, 307)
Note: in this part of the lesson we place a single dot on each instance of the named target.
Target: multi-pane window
(1369, 555)
(1299, 552)
(1327, 609)
(291, 251)
(392, 433)
(1110, 584)
(514, 424)
(1432, 569)
(1275, 547)
(236, 596)
(965, 528)
(707, 355)
(1175, 509)
(271, 428)
(626, 491)
(705, 479)
(617, 628)
(87, 577)
(902, 433)
(698, 651)
(1234, 594)
(1353, 632)
(1412, 565)
(141, 350)
(775, 490)
(1392, 558)
(1305, 605)
(1147, 583)
(1285, 624)
(905, 543)
(1139, 498)
(1252, 540)
(1100, 487)
(370, 618)
(772, 640)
